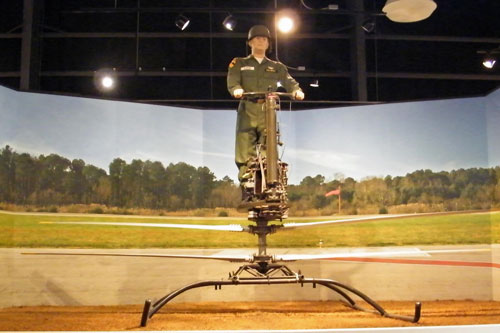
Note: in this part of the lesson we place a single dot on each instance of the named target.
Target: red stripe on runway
(421, 262)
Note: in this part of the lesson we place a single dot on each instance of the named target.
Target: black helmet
(259, 30)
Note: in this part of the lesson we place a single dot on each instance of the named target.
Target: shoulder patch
(233, 62)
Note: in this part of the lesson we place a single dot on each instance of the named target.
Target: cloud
(326, 159)
(212, 154)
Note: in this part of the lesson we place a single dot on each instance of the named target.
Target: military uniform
(249, 75)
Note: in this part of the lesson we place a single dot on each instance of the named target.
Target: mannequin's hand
(237, 93)
(298, 95)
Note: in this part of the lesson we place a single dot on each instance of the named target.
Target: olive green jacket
(249, 75)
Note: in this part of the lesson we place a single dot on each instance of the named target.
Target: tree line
(421, 190)
(55, 180)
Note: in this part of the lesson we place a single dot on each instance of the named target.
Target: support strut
(290, 278)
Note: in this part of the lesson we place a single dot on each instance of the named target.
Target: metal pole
(30, 47)
(262, 235)
(271, 142)
(137, 28)
(340, 195)
(358, 53)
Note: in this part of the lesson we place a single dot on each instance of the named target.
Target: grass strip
(27, 231)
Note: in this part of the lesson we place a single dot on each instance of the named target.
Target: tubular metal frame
(289, 277)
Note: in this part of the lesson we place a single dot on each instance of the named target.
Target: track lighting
(286, 21)
(490, 57)
(182, 22)
(489, 61)
(285, 24)
(229, 22)
(105, 79)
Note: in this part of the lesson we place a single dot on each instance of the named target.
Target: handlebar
(264, 94)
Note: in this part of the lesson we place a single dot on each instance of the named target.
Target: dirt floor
(244, 315)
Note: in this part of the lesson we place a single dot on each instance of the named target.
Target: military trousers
(250, 131)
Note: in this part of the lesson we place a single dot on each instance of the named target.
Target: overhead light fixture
(489, 61)
(286, 21)
(369, 25)
(490, 57)
(182, 22)
(229, 22)
(314, 83)
(107, 82)
(285, 24)
(105, 79)
(407, 11)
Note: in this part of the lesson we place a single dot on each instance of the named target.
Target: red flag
(334, 192)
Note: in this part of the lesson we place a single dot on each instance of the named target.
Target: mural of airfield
(67, 160)
(74, 155)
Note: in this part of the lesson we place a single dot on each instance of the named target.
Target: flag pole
(340, 195)
(336, 192)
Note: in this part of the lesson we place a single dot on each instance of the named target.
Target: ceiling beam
(210, 10)
(386, 75)
(451, 39)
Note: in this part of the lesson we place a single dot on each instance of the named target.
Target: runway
(86, 280)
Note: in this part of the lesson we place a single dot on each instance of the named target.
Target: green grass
(26, 231)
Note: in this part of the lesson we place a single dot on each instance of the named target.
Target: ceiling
(157, 63)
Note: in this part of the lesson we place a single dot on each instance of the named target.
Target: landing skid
(264, 273)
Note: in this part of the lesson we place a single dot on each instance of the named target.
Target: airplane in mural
(268, 202)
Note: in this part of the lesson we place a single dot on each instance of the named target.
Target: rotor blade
(230, 227)
(295, 225)
(407, 253)
(230, 258)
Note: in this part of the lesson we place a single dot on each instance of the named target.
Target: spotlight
(314, 83)
(406, 11)
(286, 21)
(181, 22)
(105, 79)
(490, 57)
(285, 24)
(229, 22)
(489, 62)
(107, 82)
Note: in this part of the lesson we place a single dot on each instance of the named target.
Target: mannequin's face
(259, 44)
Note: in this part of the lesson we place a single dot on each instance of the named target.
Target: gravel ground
(242, 315)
